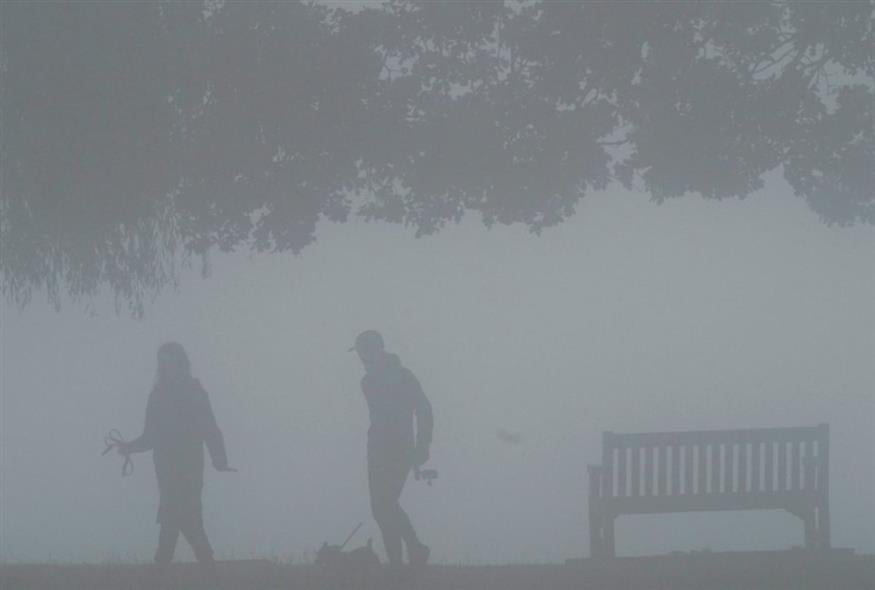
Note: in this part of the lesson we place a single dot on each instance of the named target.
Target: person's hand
(224, 467)
(420, 455)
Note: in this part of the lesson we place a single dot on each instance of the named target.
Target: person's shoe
(419, 555)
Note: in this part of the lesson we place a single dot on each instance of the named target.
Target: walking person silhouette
(179, 421)
(394, 396)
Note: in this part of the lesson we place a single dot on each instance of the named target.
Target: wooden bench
(755, 469)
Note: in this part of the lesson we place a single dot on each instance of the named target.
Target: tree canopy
(134, 133)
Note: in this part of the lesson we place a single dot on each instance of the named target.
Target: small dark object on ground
(357, 568)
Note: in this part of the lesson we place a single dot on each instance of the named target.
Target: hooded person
(179, 423)
(394, 398)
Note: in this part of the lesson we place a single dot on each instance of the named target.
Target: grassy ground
(718, 571)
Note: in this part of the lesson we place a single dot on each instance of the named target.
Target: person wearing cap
(394, 397)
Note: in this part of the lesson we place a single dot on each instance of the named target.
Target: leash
(351, 535)
(114, 440)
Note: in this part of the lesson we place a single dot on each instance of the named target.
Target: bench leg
(596, 542)
(810, 520)
(601, 537)
(823, 525)
(608, 535)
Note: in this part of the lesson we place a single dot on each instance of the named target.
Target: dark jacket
(394, 397)
(179, 421)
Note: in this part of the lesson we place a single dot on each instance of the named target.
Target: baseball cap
(368, 339)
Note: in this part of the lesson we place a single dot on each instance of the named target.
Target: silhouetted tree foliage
(135, 134)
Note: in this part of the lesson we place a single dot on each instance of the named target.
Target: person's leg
(194, 532)
(167, 537)
(385, 508)
(397, 478)
(387, 479)
(417, 552)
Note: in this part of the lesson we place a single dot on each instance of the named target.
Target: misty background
(565, 217)
(630, 316)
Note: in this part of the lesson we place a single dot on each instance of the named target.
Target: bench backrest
(755, 462)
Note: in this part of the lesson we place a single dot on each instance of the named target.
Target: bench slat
(782, 466)
(702, 470)
(621, 471)
(742, 468)
(688, 469)
(649, 459)
(809, 471)
(636, 470)
(755, 467)
(607, 473)
(727, 465)
(715, 468)
(796, 466)
(663, 470)
(650, 439)
(695, 503)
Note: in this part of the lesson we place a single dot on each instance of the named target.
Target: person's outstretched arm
(146, 441)
(212, 434)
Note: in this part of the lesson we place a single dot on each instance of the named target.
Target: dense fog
(562, 219)
(630, 317)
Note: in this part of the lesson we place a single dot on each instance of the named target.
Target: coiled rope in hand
(114, 440)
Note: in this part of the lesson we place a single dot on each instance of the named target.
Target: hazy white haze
(630, 317)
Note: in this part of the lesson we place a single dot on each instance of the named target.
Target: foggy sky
(629, 317)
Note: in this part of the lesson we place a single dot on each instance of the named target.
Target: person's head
(172, 362)
(370, 348)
